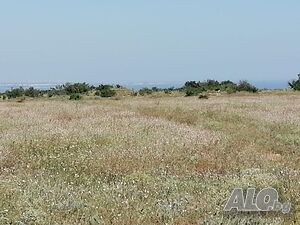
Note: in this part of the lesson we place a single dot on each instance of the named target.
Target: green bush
(58, 90)
(75, 97)
(191, 84)
(192, 92)
(50, 94)
(295, 84)
(231, 90)
(77, 88)
(228, 86)
(104, 87)
(15, 93)
(20, 92)
(145, 91)
(4, 97)
(106, 93)
(246, 86)
(213, 85)
(33, 93)
(155, 89)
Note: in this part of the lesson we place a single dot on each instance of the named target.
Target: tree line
(75, 91)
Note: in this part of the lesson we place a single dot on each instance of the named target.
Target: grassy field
(147, 160)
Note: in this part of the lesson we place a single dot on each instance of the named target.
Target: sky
(148, 41)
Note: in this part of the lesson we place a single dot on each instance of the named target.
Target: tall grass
(171, 160)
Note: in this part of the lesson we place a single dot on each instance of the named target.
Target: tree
(246, 86)
(31, 92)
(103, 87)
(77, 88)
(75, 96)
(192, 84)
(193, 88)
(192, 92)
(15, 93)
(145, 91)
(295, 84)
(106, 93)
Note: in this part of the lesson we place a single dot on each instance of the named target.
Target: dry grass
(162, 160)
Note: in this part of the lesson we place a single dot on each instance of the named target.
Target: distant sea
(7, 86)
(44, 86)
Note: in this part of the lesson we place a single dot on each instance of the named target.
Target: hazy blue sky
(154, 40)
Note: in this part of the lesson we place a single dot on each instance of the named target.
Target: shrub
(191, 84)
(97, 93)
(213, 85)
(208, 85)
(106, 93)
(77, 88)
(134, 93)
(58, 90)
(228, 86)
(155, 89)
(20, 92)
(246, 86)
(15, 93)
(31, 92)
(103, 87)
(4, 97)
(192, 92)
(75, 97)
(231, 90)
(167, 91)
(295, 84)
(50, 94)
(145, 91)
